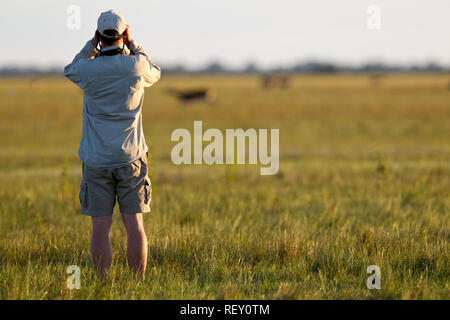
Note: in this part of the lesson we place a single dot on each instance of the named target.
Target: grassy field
(364, 180)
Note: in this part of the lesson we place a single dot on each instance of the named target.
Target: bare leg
(137, 242)
(101, 245)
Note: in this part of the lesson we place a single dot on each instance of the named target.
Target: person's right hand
(126, 36)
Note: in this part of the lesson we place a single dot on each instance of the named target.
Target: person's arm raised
(152, 72)
(88, 52)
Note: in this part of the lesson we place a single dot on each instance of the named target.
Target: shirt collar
(110, 48)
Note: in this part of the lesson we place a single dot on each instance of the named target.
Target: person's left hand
(96, 39)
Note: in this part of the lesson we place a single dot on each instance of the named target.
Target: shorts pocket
(83, 195)
(147, 190)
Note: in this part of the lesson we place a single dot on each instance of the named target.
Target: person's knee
(133, 222)
(101, 224)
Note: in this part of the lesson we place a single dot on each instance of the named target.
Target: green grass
(364, 179)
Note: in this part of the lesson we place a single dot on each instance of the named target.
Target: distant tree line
(252, 68)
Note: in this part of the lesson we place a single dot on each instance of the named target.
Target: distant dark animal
(275, 81)
(375, 79)
(187, 96)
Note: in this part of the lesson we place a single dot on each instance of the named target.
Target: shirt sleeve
(71, 71)
(152, 72)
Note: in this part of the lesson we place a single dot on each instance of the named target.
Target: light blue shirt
(112, 105)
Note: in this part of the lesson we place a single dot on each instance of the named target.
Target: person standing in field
(113, 148)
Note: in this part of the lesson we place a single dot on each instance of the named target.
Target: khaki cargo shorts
(130, 184)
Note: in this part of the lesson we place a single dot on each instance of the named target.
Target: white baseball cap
(111, 20)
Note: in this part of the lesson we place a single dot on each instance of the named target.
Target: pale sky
(271, 33)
